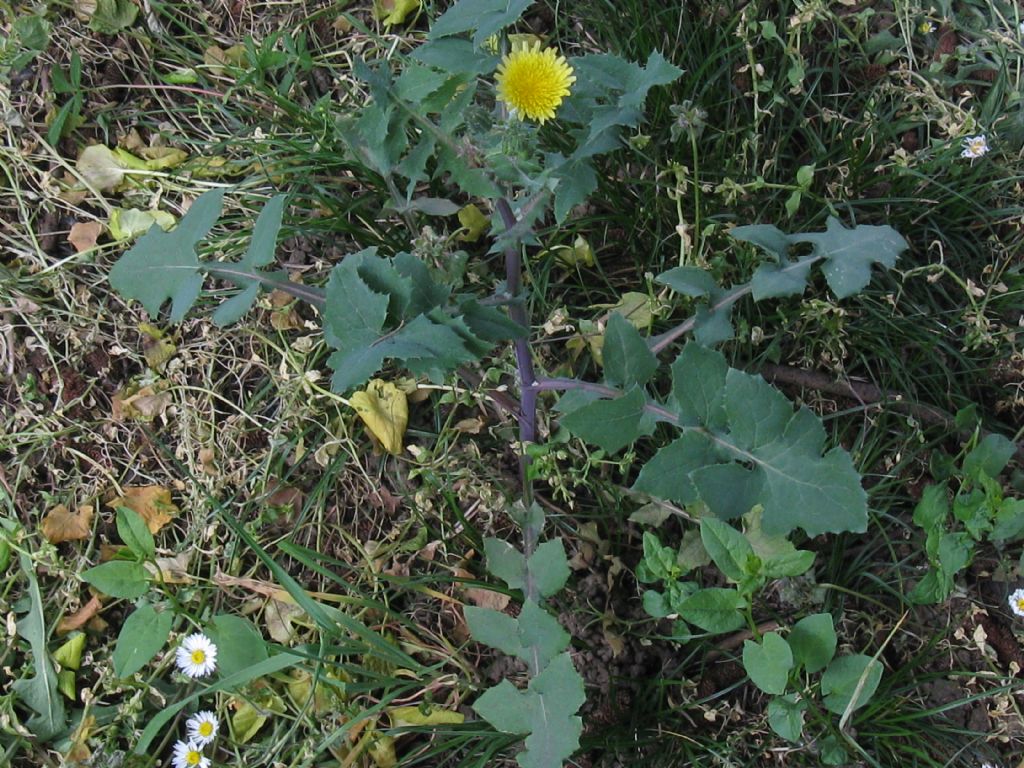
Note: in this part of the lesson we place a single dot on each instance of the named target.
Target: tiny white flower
(1017, 602)
(925, 27)
(974, 146)
(187, 755)
(201, 728)
(196, 656)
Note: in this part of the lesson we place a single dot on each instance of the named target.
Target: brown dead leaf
(84, 234)
(614, 639)
(284, 317)
(144, 404)
(482, 598)
(170, 570)
(84, 9)
(79, 618)
(131, 141)
(152, 502)
(60, 524)
(470, 426)
(284, 496)
(208, 462)
(384, 499)
(278, 616)
(110, 552)
(79, 751)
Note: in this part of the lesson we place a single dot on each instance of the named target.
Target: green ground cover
(673, 419)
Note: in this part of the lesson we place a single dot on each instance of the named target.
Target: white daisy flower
(974, 147)
(196, 656)
(187, 755)
(1017, 602)
(201, 728)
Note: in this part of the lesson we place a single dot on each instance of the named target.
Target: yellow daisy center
(198, 656)
(206, 728)
(193, 757)
(533, 82)
(1020, 603)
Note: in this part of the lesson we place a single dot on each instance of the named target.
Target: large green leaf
(786, 716)
(609, 93)
(164, 265)
(611, 424)
(743, 445)
(667, 474)
(260, 253)
(689, 281)
(378, 309)
(714, 609)
(813, 641)
(482, 17)
(848, 255)
(548, 567)
(545, 711)
(698, 385)
(850, 682)
(851, 252)
(990, 456)
(143, 634)
(118, 578)
(239, 644)
(727, 547)
(535, 636)
(454, 54)
(757, 412)
(506, 562)
(768, 662)
(627, 360)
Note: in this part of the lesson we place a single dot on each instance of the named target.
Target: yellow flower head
(533, 82)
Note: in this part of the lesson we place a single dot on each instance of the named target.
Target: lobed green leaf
(164, 266)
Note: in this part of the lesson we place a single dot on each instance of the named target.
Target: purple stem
(545, 384)
(524, 360)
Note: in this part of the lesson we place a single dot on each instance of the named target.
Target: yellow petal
(384, 409)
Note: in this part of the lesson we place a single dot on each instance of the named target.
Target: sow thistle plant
(455, 121)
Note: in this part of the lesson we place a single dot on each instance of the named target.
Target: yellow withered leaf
(473, 222)
(579, 254)
(162, 158)
(129, 223)
(69, 655)
(152, 503)
(434, 715)
(61, 524)
(393, 12)
(100, 168)
(156, 347)
(384, 409)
